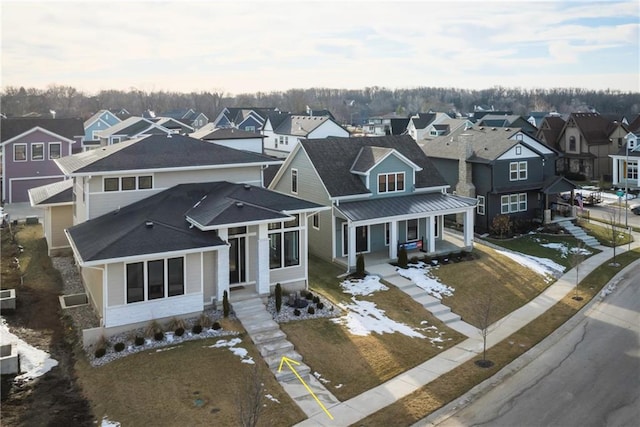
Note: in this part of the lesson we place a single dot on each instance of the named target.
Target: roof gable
(66, 128)
(370, 156)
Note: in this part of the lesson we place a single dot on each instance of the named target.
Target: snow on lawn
(33, 361)
(108, 423)
(366, 286)
(238, 351)
(420, 276)
(363, 317)
(564, 249)
(542, 266)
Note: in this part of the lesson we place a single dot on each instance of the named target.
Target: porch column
(262, 282)
(393, 239)
(468, 228)
(616, 171)
(351, 256)
(223, 266)
(431, 235)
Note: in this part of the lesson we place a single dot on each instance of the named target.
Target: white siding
(153, 310)
(326, 129)
(194, 274)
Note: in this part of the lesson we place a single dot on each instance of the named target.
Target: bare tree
(613, 220)
(483, 317)
(576, 257)
(250, 397)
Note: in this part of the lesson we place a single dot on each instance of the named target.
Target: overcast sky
(241, 46)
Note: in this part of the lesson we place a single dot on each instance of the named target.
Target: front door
(362, 239)
(237, 260)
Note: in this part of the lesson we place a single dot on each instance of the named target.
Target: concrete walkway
(371, 401)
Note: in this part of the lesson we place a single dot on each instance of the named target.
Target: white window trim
(518, 203)
(26, 154)
(33, 144)
(145, 278)
(520, 167)
(386, 182)
(281, 231)
(51, 144)
(406, 223)
(315, 219)
(120, 178)
(481, 205)
(294, 172)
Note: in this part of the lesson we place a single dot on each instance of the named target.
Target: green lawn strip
(531, 244)
(604, 234)
(509, 284)
(458, 381)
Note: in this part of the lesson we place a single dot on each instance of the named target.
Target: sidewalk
(371, 401)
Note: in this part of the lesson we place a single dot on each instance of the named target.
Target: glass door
(237, 260)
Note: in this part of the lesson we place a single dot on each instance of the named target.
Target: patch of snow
(420, 276)
(107, 423)
(159, 350)
(238, 351)
(339, 386)
(319, 377)
(271, 398)
(543, 266)
(609, 289)
(564, 249)
(364, 317)
(366, 286)
(33, 361)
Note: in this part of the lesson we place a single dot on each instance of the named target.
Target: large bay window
(284, 244)
(154, 279)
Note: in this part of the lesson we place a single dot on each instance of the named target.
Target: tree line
(347, 105)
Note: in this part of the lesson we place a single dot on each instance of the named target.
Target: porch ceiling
(402, 206)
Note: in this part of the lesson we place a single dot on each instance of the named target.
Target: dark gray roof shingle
(68, 128)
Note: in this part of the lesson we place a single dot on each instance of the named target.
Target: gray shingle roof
(487, 144)
(333, 157)
(57, 192)
(224, 133)
(389, 207)
(157, 152)
(368, 157)
(300, 125)
(124, 233)
(423, 120)
(68, 128)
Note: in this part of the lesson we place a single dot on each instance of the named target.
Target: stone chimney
(465, 186)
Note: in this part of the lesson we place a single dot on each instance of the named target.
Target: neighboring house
(281, 135)
(29, 148)
(133, 127)
(388, 124)
(536, 118)
(175, 125)
(165, 224)
(507, 121)
(384, 192)
(189, 116)
(56, 200)
(586, 141)
(510, 172)
(100, 121)
(549, 130)
(230, 137)
(250, 119)
(479, 112)
(625, 163)
(441, 125)
(417, 126)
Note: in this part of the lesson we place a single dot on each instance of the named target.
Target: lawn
(604, 233)
(353, 364)
(455, 383)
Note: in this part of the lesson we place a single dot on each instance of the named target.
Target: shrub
(101, 351)
(176, 324)
(360, 265)
(501, 226)
(311, 310)
(278, 292)
(316, 299)
(403, 259)
(320, 306)
(196, 329)
(101, 347)
(118, 347)
(152, 329)
(204, 321)
(309, 296)
(226, 309)
(296, 312)
(179, 332)
(215, 326)
(138, 340)
(158, 336)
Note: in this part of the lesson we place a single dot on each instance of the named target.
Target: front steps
(579, 233)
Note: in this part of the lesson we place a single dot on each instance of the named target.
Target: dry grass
(354, 364)
(510, 284)
(162, 388)
(455, 383)
(604, 233)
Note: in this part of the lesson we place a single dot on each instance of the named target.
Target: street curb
(463, 401)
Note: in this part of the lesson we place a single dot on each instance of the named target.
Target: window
(37, 151)
(164, 277)
(619, 142)
(316, 221)
(518, 150)
(632, 170)
(94, 135)
(480, 208)
(54, 150)
(390, 182)
(286, 140)
(572, 143)
(284, 245)
(294, 181)
(412, 229)
(517, 171)
(294, 223)
(281, 139)
(145, 182)
(250, 128)
(115, 140)
(512, 203)
(128, 183)
(233, 231)
(20, 153)
(112, 184)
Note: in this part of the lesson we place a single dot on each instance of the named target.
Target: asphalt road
(603, 211)
(590, 377)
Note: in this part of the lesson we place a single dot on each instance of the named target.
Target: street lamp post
(626, 187)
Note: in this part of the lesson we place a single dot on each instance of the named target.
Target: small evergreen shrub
(101, 351)
(118, 347)
(138, 340)
(403, 259)
(309, 296)
(215, 326)
(320, 306)
(360, 265)
(316, 299)
(296, 312)
(196, 329)
(158, 336)
(179, 332)
(278, 292)
(226, 309)
(311, 310)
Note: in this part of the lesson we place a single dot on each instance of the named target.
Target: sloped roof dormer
(370, 156)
